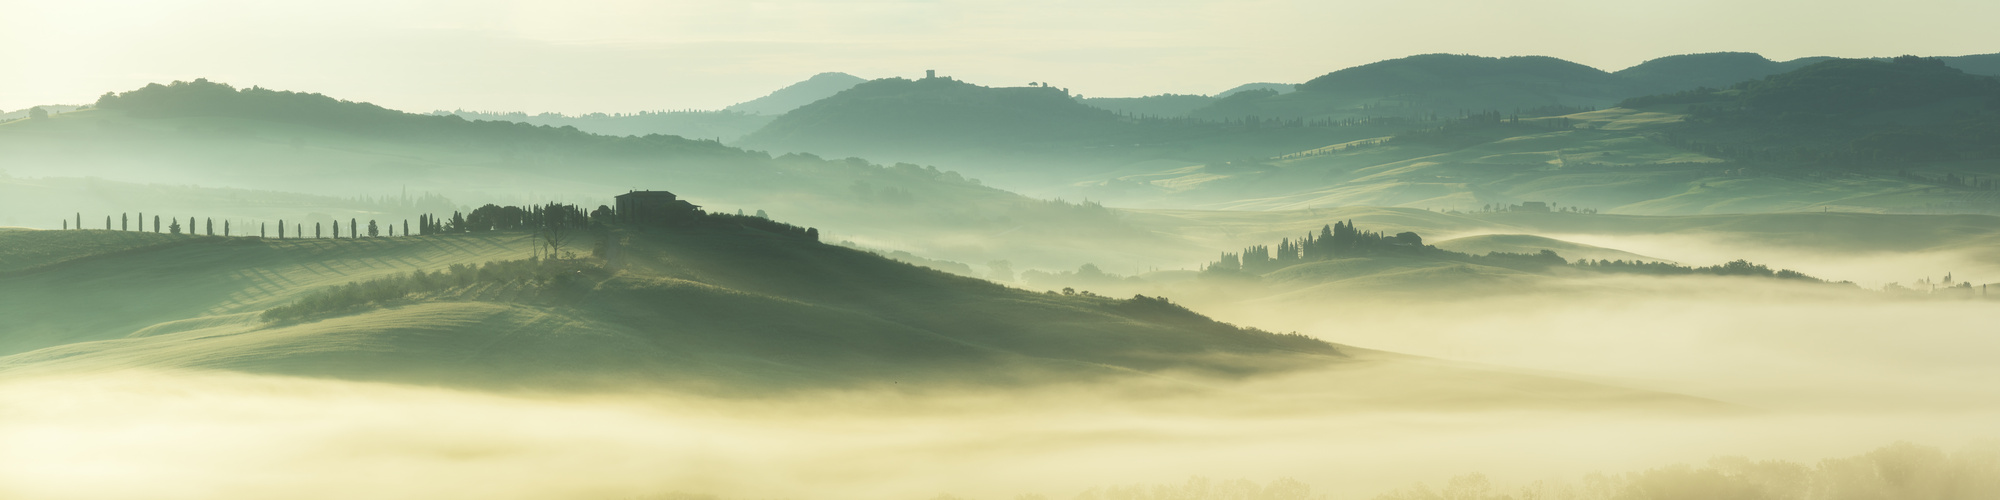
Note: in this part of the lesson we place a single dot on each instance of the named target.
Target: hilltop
(1429, 84)
(799, 94)
(1677, 73)
(934, 114)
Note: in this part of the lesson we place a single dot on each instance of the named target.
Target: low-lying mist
(214, 435)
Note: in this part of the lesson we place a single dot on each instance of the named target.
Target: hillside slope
(1429, 84)
(793, 96)
(714, 304)
(718, 309)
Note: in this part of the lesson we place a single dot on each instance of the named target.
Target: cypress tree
(260, 230)
(156, 223)
(79, 220)
(281, 229)
(124, 222)
(315, 230)
(65, 224)
(225, 227)
(406, 227)
(211, 226)
(107, 223)
(352, 229)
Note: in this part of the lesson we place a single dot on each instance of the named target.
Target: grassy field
(161, 278)
(24, 250)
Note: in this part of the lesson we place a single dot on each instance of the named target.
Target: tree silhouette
(211, 226)
(372, 230)
(37, 113)
(336, 229)
(315, 230)
(175, 227)
(557, 224)
(353, 230)
(107, 223)
(281, 229)
(156, 223)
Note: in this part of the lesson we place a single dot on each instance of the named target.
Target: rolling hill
(796, 95)
(716, 303)
(1431, 84)
(714, 308)
(1671, 74)
(934, 114)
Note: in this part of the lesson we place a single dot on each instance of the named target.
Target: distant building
(930, 73)
(1532, 206)
(654, 207)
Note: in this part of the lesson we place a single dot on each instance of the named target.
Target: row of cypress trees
(199, 226)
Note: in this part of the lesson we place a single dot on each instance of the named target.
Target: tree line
(1343, 240)
(207, 227)
(1340, 239)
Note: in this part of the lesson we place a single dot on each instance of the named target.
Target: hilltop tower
(930, 74)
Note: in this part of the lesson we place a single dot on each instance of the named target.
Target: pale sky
(614, 56)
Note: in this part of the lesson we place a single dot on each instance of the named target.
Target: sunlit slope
(23, 250)
(126, 288)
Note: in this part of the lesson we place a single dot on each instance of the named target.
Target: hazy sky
(604, 55)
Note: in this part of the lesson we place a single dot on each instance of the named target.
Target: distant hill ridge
(203, 98)
(791, 97)
(1845, 111)
(932, 113)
